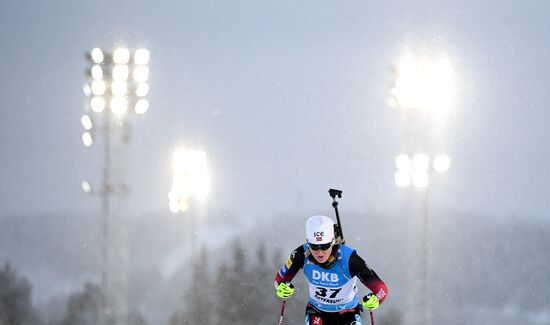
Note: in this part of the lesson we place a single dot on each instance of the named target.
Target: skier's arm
(292, 265)
(367, 276)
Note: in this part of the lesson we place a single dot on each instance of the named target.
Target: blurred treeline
(482, 270)
(237, 291)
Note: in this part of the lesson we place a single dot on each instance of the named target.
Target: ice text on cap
(318, 235)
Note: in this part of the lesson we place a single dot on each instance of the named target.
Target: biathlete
(331, 268)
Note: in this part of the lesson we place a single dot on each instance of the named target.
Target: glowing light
(141, 73)
(119, 88)
(187, 160)
(191, 178)
(121, 56)
(142, 106)
(120, 72)
(97, 55)
(87, 138)
(86, 122)
(416, 170)
(175, 206)
(98, 87)
(87, 90)
(403, 162)
(424, 83)
(141, 56)
(142, 90)
(97, 72)
(86, 187)
(119, 105)
(441, 163)
(402, 178)
(420, 179)
(97, 104)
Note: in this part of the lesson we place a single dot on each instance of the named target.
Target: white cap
(319, 230)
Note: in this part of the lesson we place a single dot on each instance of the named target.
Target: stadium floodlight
(121, 55)
(119, 105)
(86, 186)
(120, 72)
(98, 104)
(402, 178)
(175, 206)
(112, 91)
(403, 162)
(142, 105)
(118, 81)
(404, 84)
(119, 88)
(424, 87)
(416, 171)
(96, 72)
(441, 163)
(189, 161)
(142, 89)
(424, 83)
(191, 178)
(87, 89)
(98, 87)
(141, 56)
(97, 55)
(141, 73)
(420, 178)
(87, 138)
(86, 122)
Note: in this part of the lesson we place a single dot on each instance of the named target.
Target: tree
(15, 299)
(223, 297)
(83, 307)
(261, 290)
(245, 293)
(196, 299)
(231, 292)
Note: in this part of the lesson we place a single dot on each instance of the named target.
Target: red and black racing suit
(357, 266)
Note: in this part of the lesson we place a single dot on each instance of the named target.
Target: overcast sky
(287, 98)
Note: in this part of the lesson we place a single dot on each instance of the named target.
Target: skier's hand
(371, 302)
(285, 290)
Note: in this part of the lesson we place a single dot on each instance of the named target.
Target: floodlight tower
(117, 88)
(423, 89)
(417, 171)
(191, 181)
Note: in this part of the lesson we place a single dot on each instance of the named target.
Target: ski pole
(371, 318)
(333, 194)
(282, 312)
(367, 297)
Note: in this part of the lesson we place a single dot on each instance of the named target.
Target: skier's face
(320, 255)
